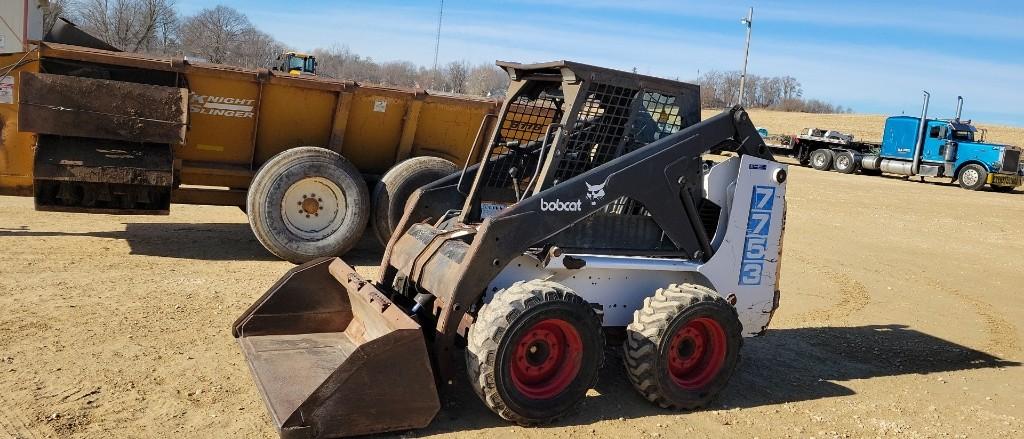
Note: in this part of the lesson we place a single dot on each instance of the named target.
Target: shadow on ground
(785, 365)
(206, 241)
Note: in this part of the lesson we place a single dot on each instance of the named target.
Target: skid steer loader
(592, 210)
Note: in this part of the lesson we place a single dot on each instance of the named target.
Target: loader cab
(563, 119)
(296, 63)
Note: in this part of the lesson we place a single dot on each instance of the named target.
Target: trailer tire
(285, 211)
(683, 346)
(534, 318)
(397, 185)
(821, 159)
(845, 163)
(972, 177)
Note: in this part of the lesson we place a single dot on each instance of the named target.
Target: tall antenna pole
(748, 21)
(437, 44)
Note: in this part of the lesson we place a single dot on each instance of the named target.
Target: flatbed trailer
(802, 146)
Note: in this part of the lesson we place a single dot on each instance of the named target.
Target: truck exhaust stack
(959, 107)
(919, 145)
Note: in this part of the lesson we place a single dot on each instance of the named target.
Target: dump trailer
(915, 146)
(87, 129)
(592, 210)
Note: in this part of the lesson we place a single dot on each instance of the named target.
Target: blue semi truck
(914, 146)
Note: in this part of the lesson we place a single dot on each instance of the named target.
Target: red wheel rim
(696, 353)
(546, 359)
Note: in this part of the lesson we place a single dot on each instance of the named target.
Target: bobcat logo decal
(595, 192)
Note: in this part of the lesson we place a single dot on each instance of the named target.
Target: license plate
(1006, 180)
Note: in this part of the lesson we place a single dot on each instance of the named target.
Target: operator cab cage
(562, 119)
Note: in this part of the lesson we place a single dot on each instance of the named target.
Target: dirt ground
(899, 319)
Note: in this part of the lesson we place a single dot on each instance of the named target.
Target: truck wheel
(972, 177)
(534, 351)
(821, 159)
(682, 346)
(306, 203)
(845, 163)
(398, 184)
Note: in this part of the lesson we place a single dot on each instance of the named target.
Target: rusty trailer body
(92, 130)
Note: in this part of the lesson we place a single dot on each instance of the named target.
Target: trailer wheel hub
(696, 353)
(313, 208)
(547, 359)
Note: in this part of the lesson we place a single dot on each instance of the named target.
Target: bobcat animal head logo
(595, 192)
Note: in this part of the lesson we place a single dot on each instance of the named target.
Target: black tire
(509, 321)
(821, 159)
(972, 177)
(1003, 189)
(397, 185)
(651, 346)
(845, 163)
(346, 209)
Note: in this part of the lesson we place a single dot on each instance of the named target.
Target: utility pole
(748, 21)
(437, 45)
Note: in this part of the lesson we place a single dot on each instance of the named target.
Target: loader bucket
(333, 357)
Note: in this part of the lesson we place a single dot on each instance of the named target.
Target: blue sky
(875, 56)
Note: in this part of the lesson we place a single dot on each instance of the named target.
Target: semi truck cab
(949, 148)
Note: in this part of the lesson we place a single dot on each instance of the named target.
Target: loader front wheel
(306, 203)
(397, 185)
(534, 351)
(682, 346)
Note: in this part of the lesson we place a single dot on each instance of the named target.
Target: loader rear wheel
(397, 185)
(821, 159)
(306, 203)
(682, 346)
(534, 351)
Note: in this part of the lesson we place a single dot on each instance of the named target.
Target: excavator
(593, 217)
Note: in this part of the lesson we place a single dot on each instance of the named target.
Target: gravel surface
(899, 319)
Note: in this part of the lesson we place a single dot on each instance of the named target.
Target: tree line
(783, 93)
(224, 35)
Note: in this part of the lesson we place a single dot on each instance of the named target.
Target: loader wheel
(821, 159)
(682, 346)
(306, 203)
(534, 351)
(398, 184)
(845, 163)
(972, 177)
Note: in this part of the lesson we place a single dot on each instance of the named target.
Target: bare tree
(54, 9)
(455, 75)
(487, 80)
(213, 34)
(255, 49)
(131, 25)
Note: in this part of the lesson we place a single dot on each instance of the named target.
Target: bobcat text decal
(756, 243)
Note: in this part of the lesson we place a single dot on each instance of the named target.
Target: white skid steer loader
(592, 210)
